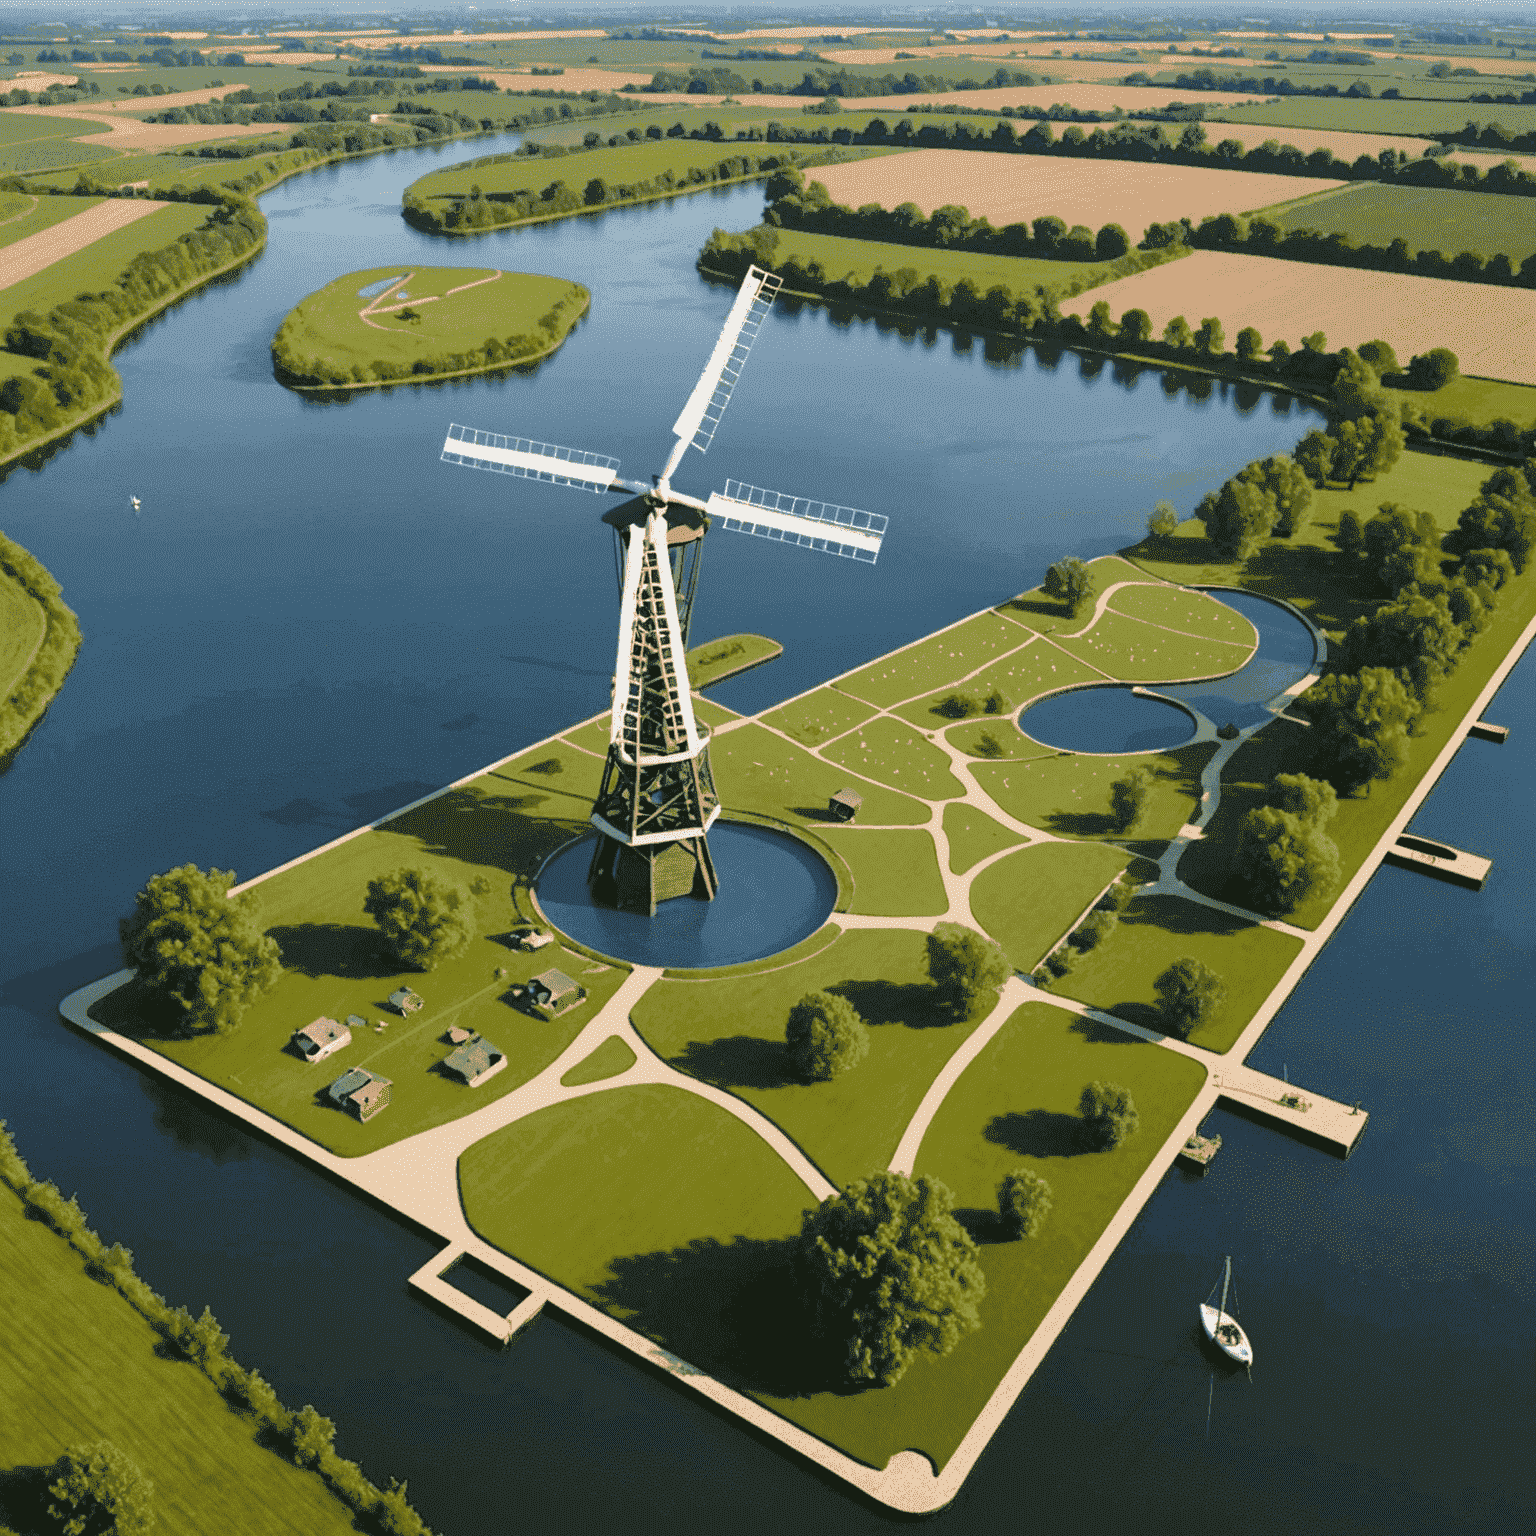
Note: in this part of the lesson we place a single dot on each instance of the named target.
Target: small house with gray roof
(364, 1093)
(474, 1061)
(321, 1039)
(552, 992)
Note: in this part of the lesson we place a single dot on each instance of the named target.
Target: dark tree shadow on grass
(511, 832)
(1144, 1015)
(983, 1225)
(345, 950)
(1177, 914)
(730, 1309)
(141, 1013)
(915, 1004)
(738, 1061)
(1081, 823)
(1037, 1133)
(24, 1500)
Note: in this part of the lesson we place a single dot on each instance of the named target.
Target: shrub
(96, 1488)
(957, 706)
(1059, 962)
(1023, 1202)
(1434, 369)
(965, 967)
(1109, 1115)
(1164, 521)
(1189, 993)
(1128, 798)
(1068, 582)
(1093, 930)
(825, 1036)
(424, 918)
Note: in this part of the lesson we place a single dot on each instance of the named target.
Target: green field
(1480, 401)
(1019, 676)
(892, 752)
(973, 836)
(1419, 118)
(1061, 879)
(77, 1362)
(716, 660)
(939, 661)
(895, 871)
(22, 626)
(386, 323)
(611, 1058)
(1428, 218)
(22, 215)
(818, 716)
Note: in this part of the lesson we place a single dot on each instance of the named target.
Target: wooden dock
(1326, 1122)
(1440, 860)
(430, 1280)
(1486, 731)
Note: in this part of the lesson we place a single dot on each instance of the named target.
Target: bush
(1283, 859)
(964, 967)
(825, 1036)
(1068, 582)
(956, 706)
(1109, 1115)
(1128, 798)
(1023, 1202)
(1434, 369)
(96, 1488)
(1189, 993)
(424, 918)
(1164, 521)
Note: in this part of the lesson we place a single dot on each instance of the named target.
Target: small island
(390, 325)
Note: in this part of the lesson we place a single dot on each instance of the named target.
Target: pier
(1440, 860)
(1326, 1122)
(1484, 730)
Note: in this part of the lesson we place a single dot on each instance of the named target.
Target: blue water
(312, 621)
(774, 891)
(1110, 719)
(373, 289)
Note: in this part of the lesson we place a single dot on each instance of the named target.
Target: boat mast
(1226, 1280)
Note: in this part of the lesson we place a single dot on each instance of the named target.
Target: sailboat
(1221, 1327)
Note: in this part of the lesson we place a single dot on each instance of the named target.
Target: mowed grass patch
(1197, 614)
(611, 1058)
(731, 1033)
(77, 1362)
(23, 624)
(895, 754)
(1068, 793)
(1154, 931)
(996, 738)
(1480, 401)
(1022, 675)
(1046, 616)
(1030, 899)
(941, 660)
(819, 716)
(1136, 652)
(709, 713)
(716, 660)
(895, 873)
(974, 836)
(1420, 119)
(758, 771)
(17, 221)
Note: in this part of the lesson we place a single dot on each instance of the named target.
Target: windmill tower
(657, 800)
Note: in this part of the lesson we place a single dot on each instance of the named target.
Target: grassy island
(384, 325)
(39, 637)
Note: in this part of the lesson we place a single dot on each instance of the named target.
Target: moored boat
(1221, 1326)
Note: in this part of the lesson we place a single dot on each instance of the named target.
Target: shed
(365, 1093)
(318, 1040)
(475, 1060)
(533, 938)
(405, 1001)
(844, 805)
(552, 992)
(457, 1036)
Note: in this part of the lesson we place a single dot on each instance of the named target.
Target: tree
(1111, 242)
(1502, 517)
(1136, 326)
(1289, 484)
(1434, 369)
(1401, 547)
(1283, 859)
(1128, 798)
(1210, 339)
(826, 1037)
(1380, 356)
(310, 1434)
(1099, 323)
(96, 1488)
(1189, 993)
(1108, 1114)
(194, 943)
(1314, 453)
(1313, 800)
(1177, 334)
(1360, 722)
(1487, 567)
(1164, 521)
(964, 967)
(1416, 635)
(1367, 446)
(1023, 1202)
(889, 1272)
(425, 919)
(1357, 388)
(1237, 516)
(1068, 582)
(1250, 345)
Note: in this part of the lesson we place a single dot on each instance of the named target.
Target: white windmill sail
(815, 525)
(531, 460)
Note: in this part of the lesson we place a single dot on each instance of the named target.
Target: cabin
(405, 1001)
(364, 1093)
(474, 1061)
(552, 992)
(532, 938)
(844, 805)
(321, 1039)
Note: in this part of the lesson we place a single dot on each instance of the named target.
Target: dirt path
(29, 256)
(376, 305)
(23, 214)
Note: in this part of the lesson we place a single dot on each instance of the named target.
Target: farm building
(474, 1061)
(321, 1039)
(844, 805)
(364, 1093)
(552, 992)
(405, 1001)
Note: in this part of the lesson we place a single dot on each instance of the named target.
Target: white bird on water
(135, 501)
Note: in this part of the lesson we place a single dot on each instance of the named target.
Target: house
(532, 938)
(552, 992)
(321, 1039)
(474, 1061)
(405, 1001)
(364, 1093)
(844, 805)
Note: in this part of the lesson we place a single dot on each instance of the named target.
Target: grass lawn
(716, 660)
(731, 1033)
(941, 660)
(1428, 218)
(996, 737)
(895, 873)
(710, 713)
(758, 771)
(1068, 793)
(818, 716)
(1152, 933)
(1476, 400)
(972, 836)
(612, 1057)
(78, 1363)
(894, 753)
(1028, 900)
(593, 736)
(16, 223)
(1136, 652)
(22, 626)
(405, 315)
(1021, 675)
(30, 142)
(498, 828)
(1197, 614)
(1419, 118)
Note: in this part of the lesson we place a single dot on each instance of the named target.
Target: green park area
(974, 836)
(78, 1362)
(387, 324)
(1061, 880)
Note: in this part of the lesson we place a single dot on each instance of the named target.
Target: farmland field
(1428, 218)
(92, 219)
(1491, 329)
(1410, 117)
(23, 215)
(1007, 188)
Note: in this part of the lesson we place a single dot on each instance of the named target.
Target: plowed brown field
(1491, 329)
(29, 256)
(1007, 188)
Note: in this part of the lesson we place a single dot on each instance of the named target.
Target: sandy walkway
(28, 257)
(1491, 329)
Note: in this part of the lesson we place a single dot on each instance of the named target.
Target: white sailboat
(1221, 1327)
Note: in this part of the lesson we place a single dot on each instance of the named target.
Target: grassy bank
(39, 639)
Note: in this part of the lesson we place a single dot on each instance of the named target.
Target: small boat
(1221, 1327)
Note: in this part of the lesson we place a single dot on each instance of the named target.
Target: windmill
(657, 800)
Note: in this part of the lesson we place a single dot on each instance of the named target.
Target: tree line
(21, 709)
(93, 1485)
(1492, 135)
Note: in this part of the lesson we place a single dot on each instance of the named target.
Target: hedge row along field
(34, 685)
(383, 325)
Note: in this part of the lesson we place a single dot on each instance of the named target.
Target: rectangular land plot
(895, 871)
(973, 835)
(1420, 118)
(1008, 188)
(1030, 900)
(1491, 329)
(819, 716)
(1019, 677)
(23, 214)
(895, 754)
(942, 659)
(61, 238)
(1147, 653)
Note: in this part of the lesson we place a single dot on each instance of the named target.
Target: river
(311, 621)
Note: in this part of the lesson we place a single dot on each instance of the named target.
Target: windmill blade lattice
(815, 525)
(530, 460)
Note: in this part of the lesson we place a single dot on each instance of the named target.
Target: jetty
(1324, 1122)
(1485, 730)
(1439, 860)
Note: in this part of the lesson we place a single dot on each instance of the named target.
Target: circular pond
(1109, 719)
(774, 891)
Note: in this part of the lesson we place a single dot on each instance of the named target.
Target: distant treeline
(24, 705)
(718, 81)
(1491, 135)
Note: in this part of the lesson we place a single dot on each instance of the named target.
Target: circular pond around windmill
(774, 891)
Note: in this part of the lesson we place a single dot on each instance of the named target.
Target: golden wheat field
(1491, 329)
(1008, 188)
